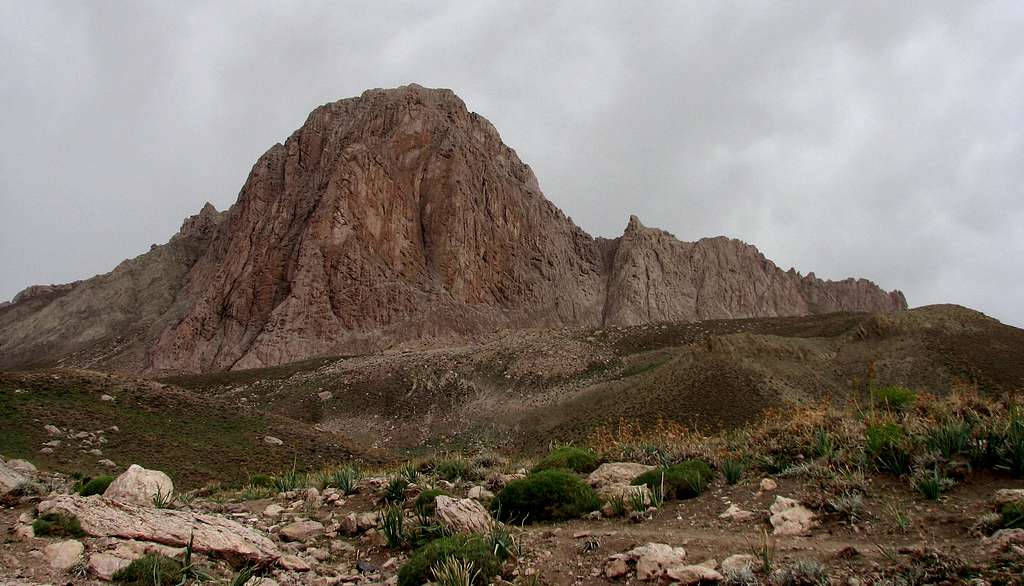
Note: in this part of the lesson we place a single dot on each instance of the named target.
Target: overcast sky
(874, 139)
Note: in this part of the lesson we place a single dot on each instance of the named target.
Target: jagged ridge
(388, 217)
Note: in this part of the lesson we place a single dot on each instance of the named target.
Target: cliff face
(395, 215)
(655, 277)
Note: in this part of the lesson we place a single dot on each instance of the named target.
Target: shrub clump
(453, 469)
(1012, 515)
(97, 485)
(151, 570)
(887, 447)
(572, 458)
(553, 495)
(895, 398)
(469, 549)
(425, 505)
(57, 525)
(684, 480)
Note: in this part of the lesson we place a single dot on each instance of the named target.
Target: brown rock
(301, 531)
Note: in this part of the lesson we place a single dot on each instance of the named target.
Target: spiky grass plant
(638, 498)
(345, 479)
(503, 543)
(451, 571)
(163, 500)
(899, 516)
(395, 490)
(618, 504)
(733, 469)
(949, 438)
(392, 525)
(932, 483)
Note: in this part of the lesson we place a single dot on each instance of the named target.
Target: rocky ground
(760, 530)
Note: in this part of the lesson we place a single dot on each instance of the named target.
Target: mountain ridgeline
(393, 216)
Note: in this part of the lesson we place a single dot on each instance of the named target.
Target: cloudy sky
(874, 139)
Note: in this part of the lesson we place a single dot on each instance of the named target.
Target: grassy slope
(192, 438)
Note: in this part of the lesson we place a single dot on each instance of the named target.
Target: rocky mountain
(393, 216)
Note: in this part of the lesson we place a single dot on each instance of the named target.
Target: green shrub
(453, 469)
(572, 458)
(151, 570)
(97, 485)
(424, 504)
(732, 470)
(261, 481)
(1012, 515)
(57, 525)
(894, 398)
(823, 446)
(546, 495)
(886, 447)
(469, 549)
(684, 480)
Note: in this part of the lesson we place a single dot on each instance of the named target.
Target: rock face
(212, 534)
(395, 215)
(138, 485)
(462, 515)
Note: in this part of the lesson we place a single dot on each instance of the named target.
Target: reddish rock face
(398, 215)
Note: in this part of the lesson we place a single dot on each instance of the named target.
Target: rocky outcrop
(462, 515)
(140, 486)
(655, 277)
(395, 215)
(209, 534)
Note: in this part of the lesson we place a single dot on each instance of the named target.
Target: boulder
(10, 479)
(735, 513)
(693, 575)
(23, 467)
(654, 559)
(211, 534)
(617, 566)
(462, 515)
(272, 441)
(64, 554)
(789, 517)
(273, 510)
(138, 486)
(768, 485)
(294, 563)
(616, 473)
(301, 531)
(737, 563)
(1006, 540)
(51, 429)
(626, 492)
(105, 565)
(480, 493)
(1003, 496)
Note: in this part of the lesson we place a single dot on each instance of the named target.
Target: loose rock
(138, 485)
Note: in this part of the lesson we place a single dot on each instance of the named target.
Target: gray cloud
(869, 139)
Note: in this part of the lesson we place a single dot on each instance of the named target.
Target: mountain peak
(391, 216)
